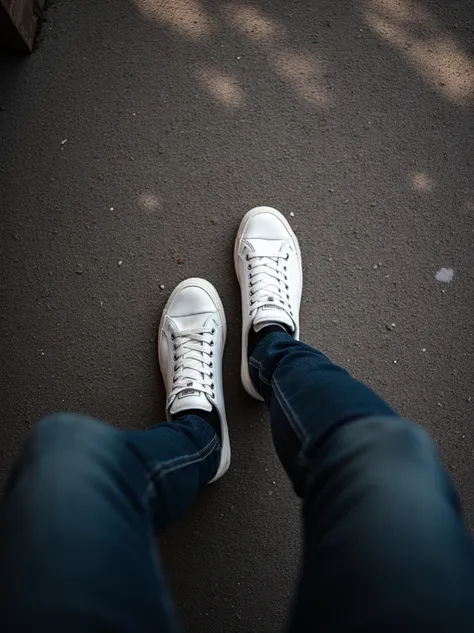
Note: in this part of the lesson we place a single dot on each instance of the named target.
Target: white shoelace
(193, 352)
(268, 281)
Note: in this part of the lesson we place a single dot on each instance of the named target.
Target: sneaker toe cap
(192, 299)
(265, 223)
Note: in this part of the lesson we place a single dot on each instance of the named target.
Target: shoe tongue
(271, 313)
(190, 398)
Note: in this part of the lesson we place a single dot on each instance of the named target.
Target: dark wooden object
(18, 21)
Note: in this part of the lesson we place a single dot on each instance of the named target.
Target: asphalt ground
(140, 132)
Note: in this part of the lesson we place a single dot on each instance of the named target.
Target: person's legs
(78, 523)
(85, 500)
(385, 546)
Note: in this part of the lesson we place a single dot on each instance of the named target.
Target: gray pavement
(139, 132)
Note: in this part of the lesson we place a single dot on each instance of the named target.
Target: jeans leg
(78, 523)
(385, 546)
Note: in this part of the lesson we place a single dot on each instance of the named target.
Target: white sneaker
(191, 343)
(267, 261)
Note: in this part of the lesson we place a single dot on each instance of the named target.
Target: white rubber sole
(244, 366)
(209, 288)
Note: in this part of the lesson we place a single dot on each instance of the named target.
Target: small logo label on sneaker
(187, 392)
(270, 306)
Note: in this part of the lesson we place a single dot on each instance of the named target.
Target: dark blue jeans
(385, 546)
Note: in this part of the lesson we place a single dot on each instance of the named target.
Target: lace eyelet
(173, 337)
(174, 346)
(287, 256)
(247, 257)
(287, 296)
(211, 375)
(213, 331)
(211, 343)
(213, 395)
(211, 354)
(284, 268)
(249, 267)
(212, 385)
(174, 358)
(211, 364)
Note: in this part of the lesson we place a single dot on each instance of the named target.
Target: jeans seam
(183, 458)
(154, 475)
(257, 365)
(296, 425)
(196, 457)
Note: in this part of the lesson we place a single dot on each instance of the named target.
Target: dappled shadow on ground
(140, 131)
(412, 27)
